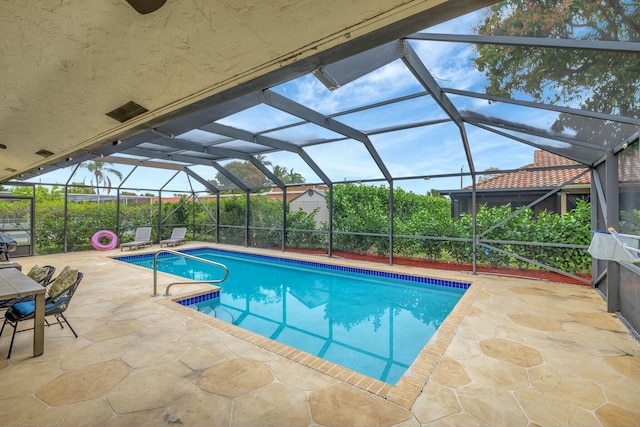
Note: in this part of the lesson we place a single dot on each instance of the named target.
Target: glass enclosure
(480, 150)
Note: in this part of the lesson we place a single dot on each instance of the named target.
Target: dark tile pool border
(363, 271)
(195, 299)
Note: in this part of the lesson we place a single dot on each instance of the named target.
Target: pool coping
(404, 393)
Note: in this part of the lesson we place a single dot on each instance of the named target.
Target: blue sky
(430, 150)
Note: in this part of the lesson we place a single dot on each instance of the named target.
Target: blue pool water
(373, 322)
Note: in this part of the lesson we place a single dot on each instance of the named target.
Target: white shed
(310, 200)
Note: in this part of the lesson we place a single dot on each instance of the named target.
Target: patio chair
(177, 237)
(61, 291)
(39, 274)
(141, 240)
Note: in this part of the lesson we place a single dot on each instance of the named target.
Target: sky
(427, 150)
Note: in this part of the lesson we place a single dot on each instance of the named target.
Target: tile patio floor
(513, 353)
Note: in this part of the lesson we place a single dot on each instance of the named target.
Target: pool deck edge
(404, 393)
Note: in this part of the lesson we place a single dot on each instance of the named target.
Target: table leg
(38, 325)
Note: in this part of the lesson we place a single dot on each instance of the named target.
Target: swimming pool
(370, 321)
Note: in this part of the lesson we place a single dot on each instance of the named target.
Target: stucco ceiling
(65, 64)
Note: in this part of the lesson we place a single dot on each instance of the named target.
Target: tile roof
(629, 166)
(525, 178)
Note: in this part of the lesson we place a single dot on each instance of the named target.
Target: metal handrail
(195, 258)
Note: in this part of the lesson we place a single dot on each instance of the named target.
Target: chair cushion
(25, 308)
(66, 278)
(38, 273)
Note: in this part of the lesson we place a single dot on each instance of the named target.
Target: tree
(252, 177)
(486, 176)
(246, 172)
(80, 188)
(101, 171)
(280, 172)
(599, 80)
(286, 176)
(42, 193)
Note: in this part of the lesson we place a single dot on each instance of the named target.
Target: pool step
(207, 310)
(217, 312)
(223, 314)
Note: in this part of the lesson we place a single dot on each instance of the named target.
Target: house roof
(530, 176)
(629, 166)
(309, 192)
(274, 194)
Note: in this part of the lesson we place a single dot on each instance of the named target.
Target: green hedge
(420, 224)
(364, 209)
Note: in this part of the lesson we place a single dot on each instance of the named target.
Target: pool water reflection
(374, 325)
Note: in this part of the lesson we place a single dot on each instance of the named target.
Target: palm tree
(101, 171)
(263, 159)
(280, 172)
(294, 177)
(287, 176)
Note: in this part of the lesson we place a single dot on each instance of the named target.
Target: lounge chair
(61, 291)
(177, 237)
(141, 240)
(42, 275)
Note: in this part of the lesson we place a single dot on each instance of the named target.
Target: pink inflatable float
(110, 236)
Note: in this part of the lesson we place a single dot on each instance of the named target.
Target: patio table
(14, 283)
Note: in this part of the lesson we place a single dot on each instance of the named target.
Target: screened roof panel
(258, 119)
(203, 137)
(345, 161)
(390, 81)
(570, 89)
(410, 98)
(305, 134)
(572, 130)
(158, 148)
(148, 178)
(397, 114)
(181, 182)
(199, 155)
(229, 172)
(583, 155)
(484, 145)
(205, 172)
(450, 64)
(59, 175)
(285, 164)
(421, 151)
(129, 156)
(245, 146)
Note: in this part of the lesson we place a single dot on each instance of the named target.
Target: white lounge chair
(177, 237)
(141, 240)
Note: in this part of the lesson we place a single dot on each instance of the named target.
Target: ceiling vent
(10, 169)
(127, 112)
(44, 153)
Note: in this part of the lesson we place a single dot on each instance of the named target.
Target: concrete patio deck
(513, 353)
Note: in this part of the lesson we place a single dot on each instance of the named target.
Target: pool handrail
(195, 258)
